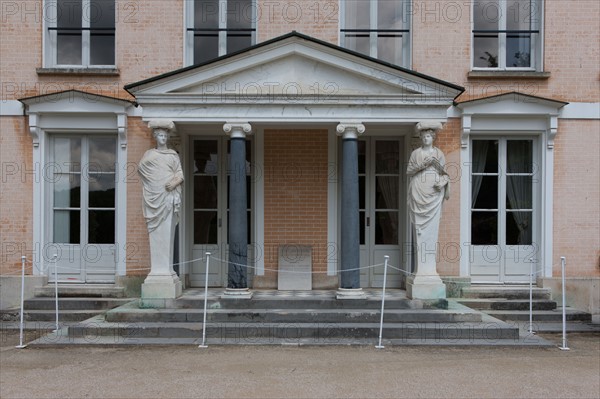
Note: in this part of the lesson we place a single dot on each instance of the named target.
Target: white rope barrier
(203, 345)
(564, 346)
(21, 346)
(55, 259)
(386, 257)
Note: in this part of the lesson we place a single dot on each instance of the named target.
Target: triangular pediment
(295, 67)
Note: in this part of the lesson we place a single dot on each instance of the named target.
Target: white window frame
(537, 39)
(373, 30)
(188, 29)
(502, 175)
(515, 115)
(50, 34)
(81, 113)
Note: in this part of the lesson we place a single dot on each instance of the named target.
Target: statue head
(158, 125)
(430, 128)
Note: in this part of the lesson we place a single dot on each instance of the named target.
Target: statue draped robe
(160, 207)
(425, 204)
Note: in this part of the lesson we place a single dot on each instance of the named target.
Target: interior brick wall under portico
(295, 173)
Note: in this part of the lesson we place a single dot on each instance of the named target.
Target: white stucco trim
(511, 114)
(78, 113)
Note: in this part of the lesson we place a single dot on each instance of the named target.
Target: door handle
(368, 221)
(219, 223)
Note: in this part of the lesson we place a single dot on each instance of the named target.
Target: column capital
(237, 130)
(350, 130)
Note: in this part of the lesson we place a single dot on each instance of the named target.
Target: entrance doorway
(381, 194)
(210, 208)
(504, 215)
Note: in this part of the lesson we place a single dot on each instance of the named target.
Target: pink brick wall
(577, 198)
(295, 195)
(16, 194)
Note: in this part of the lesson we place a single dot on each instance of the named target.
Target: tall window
(502, 192)
(377, 28)
(83, 186)
(80, 33)
(507, 34)
(218, 27)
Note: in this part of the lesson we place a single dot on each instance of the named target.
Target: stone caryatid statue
(161, 175)
(428, 187)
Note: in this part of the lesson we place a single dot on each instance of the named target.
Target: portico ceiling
(294, 78)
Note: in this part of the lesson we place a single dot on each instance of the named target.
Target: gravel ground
(301, 372)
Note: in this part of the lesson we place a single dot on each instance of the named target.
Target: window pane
(358, 14)
(67, 154)
(362, 154)
(361, 192)
(102, 42)
(386, 228)
(518, 192)
(485, 51)
(205, 192)
(387, 159)
(486, 14)
(519, 228)
(103, 154)
(101, 227)
(206, 159)
(520, 156)
(390, 15)
(362, 227)
(239, 15)
(520, 14)
(486, 195)
(484, 228)
(68, 46)
(238, 41)
(518, 50)
(205, 47)
(67, 191)
(357, 42)
(386, 192)
(102, 190)
(102, 48)
(205, 227)
(389, 48)
(485, 156)
(206, 14)
(66, 227)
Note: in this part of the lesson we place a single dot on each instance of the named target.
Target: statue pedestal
(161, 287)
(425, 287)
(350, 293)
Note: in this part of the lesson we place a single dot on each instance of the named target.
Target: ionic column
(350, 227)
(237, 275)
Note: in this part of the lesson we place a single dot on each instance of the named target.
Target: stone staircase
(75, 303)
(511, 304)
(294, 318)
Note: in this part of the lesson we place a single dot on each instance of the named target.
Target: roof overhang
(294, 78)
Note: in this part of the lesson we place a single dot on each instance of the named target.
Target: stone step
(507, 304)
(248, 332)
(58, 340)
(75, 303)
(81, 290)
(307, 303)
(130, 314)
(505, 292)
(541, 315)
(50, 315)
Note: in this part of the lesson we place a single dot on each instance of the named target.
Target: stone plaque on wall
(295, 266)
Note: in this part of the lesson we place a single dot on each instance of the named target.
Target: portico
(280, 147)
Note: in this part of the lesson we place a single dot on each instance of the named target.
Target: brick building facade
(514, 81)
